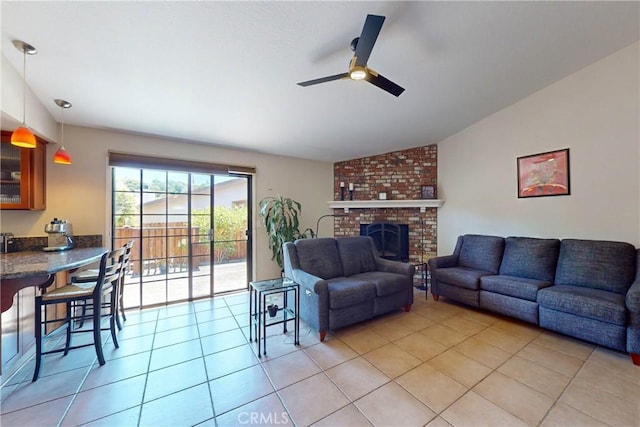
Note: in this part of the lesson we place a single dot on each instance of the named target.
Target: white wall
(595, 113)
(37, 117)
(80, 192)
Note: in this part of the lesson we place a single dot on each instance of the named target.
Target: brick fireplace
(401, 175)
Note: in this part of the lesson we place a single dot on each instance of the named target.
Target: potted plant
(280, 216)
(273, 310)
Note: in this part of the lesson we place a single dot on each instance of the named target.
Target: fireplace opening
(392, 240)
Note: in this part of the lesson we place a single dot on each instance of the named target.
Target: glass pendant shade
(23, 137)
(62, 156)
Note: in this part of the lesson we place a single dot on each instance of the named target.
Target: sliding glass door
(190, 233)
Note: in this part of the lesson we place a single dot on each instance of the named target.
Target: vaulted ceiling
(225, 73)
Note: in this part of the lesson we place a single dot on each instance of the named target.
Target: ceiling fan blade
(324, 79)
(370, 31)
(383, 83)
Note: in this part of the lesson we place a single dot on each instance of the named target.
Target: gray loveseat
(343, 281)
(588, 289)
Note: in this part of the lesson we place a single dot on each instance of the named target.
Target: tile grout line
(84, 379)
(571, 381)
(146, 375)
(206, 372)
(261, 364)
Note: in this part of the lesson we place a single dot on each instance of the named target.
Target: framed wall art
(428, 191)
(544, 174)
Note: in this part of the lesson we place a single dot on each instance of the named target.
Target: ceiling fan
(358, 70)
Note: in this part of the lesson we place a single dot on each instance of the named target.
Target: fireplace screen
(392, 240)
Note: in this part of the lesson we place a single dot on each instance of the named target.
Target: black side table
(258, 320)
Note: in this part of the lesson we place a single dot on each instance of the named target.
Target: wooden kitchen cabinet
(22, 175)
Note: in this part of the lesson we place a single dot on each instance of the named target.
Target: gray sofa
(588, 289)
(343, 281)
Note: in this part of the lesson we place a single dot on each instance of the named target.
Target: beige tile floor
(441, 364)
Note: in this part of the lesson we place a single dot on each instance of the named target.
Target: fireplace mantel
(374, 204)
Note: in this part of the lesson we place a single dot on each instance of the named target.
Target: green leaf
(280, 216)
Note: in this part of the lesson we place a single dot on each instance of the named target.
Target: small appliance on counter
(7, 243)
(60, 235)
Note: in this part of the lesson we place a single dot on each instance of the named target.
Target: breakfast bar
(22, 276)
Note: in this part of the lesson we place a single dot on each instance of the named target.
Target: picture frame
(544, 174)
(428, 191)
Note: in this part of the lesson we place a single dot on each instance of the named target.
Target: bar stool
(90, 275)
(127, 258)
(91, 293)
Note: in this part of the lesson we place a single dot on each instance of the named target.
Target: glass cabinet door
(22, 175)
(11, 162)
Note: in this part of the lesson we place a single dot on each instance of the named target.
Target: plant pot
(272, 309)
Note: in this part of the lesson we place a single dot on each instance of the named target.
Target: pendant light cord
(62, 126)
(24, 87)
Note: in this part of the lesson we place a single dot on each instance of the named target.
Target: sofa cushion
(356, 254)
(319, 257)
(518, 287)
(460, 277)
(530, 258)
(481, 252)
(585, 302)
(345, 291)
(597, 264)
(385, 283)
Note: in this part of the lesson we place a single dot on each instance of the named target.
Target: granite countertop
(38, 263)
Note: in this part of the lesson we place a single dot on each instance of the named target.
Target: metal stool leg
(38, 319)
(67, 343)
(97, 335)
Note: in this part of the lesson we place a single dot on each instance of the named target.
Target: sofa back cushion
(480, 252)
(530, 258)
(596, 264)
(356, 254)
(319, 257)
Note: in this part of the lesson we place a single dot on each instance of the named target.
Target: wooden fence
(169, 245)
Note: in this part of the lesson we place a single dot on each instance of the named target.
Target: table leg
(298, 313)
(259, 323)
(284, 312)
(250, 314)
(263, 319)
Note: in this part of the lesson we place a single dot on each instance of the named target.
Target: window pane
(126, 203)
(154, 221)
(126, 221)
(200, 184)
(177, 183)
(178, 289)
(126, 179)
(154, 181)
(178, 204)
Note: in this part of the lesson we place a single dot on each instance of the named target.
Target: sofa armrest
(632, 302)
(632, 299)
(435, 263)
(445, 261)
(390, 266)
(314, 299)
(310, 282)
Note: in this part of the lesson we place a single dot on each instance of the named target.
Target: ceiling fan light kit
(358, 73)
(358, 70)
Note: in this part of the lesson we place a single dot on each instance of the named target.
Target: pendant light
(22, 136)
(62, 155)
